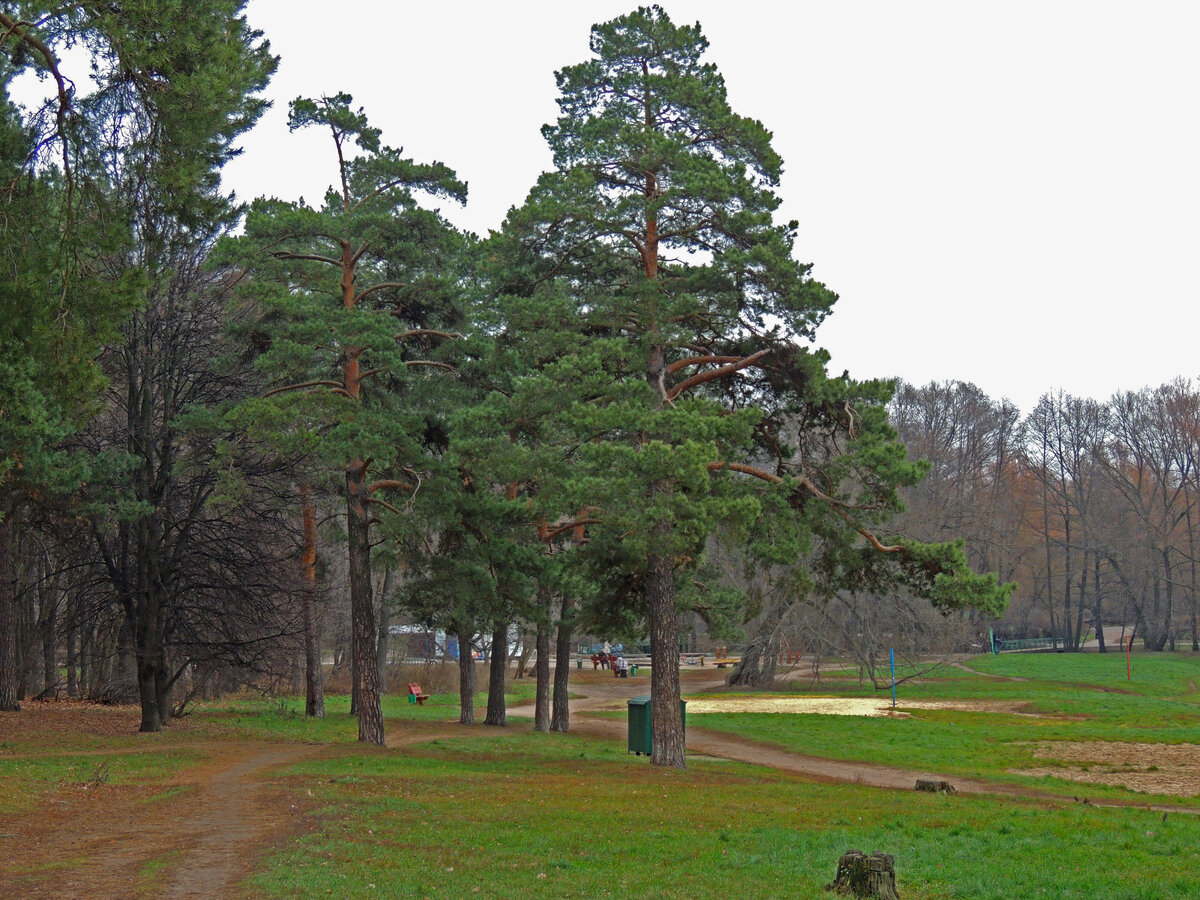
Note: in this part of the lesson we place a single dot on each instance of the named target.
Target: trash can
(579, 663)
(641, 738)
(633, 670)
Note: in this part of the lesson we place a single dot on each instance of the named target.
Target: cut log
(859, 875)
(935, 787)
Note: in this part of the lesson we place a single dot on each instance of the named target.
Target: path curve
(232, 816)
(605, 697)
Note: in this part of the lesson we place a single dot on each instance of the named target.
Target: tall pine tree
(358, 303)
(696, 405)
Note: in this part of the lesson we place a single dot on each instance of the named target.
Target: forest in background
(237, 441)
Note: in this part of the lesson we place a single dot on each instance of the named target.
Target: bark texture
(8, 622)
(466, 678)
(541, 702)
(859, 875)
(497, 713)
(362, 609)
(560, 715)
(666, 719)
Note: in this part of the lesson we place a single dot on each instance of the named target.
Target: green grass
(1067, 697)
(284, 718)
(549, 816)
(116, 768)
(25, 780)
(503, 813)
(518, 814)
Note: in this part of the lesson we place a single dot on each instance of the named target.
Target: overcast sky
(1004, 193)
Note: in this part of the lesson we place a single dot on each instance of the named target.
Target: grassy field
(1064, 698)
(507, 813)
(530, 815)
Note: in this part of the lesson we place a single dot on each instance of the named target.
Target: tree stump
(934, 787)
(860, 875)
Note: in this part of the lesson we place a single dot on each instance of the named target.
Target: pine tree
(695, 405)
(358, 302)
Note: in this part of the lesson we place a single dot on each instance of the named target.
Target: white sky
(1005, 193)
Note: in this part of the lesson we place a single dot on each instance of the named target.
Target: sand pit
(1151, 768)
(841, 706)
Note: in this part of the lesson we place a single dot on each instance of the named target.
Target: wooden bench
(415, 694)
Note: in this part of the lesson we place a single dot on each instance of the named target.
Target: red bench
(414, 693)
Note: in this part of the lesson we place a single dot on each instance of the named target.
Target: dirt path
(233, 814)
(612, 696)
(721, 745)
(195, 836)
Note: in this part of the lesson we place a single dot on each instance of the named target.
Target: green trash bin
(639, 725)
(641, 738)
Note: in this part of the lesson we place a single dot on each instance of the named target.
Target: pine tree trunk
(560, 712)
(666, 720)
(314, 675)
(381, 639)
(541, 703)
(466, 678)
(362, 609)
(8, 619)
(497, 714)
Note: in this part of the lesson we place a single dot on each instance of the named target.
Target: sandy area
(1153, 768)
(842, 706)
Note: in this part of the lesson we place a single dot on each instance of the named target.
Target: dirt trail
(721, 745)
(111, 841)
(234, 814)
(612, 696)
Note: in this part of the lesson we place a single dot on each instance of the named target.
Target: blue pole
(892, 655)
(992, 639)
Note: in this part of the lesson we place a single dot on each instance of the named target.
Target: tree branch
(20, 30)
(307, 384)
(714, 374)
(384, 504)
(415, 332)
(833, 503)
(429, 362)
(311, 257)
(549, 534)
(699, 360)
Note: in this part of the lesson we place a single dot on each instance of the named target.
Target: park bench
(415, 694)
